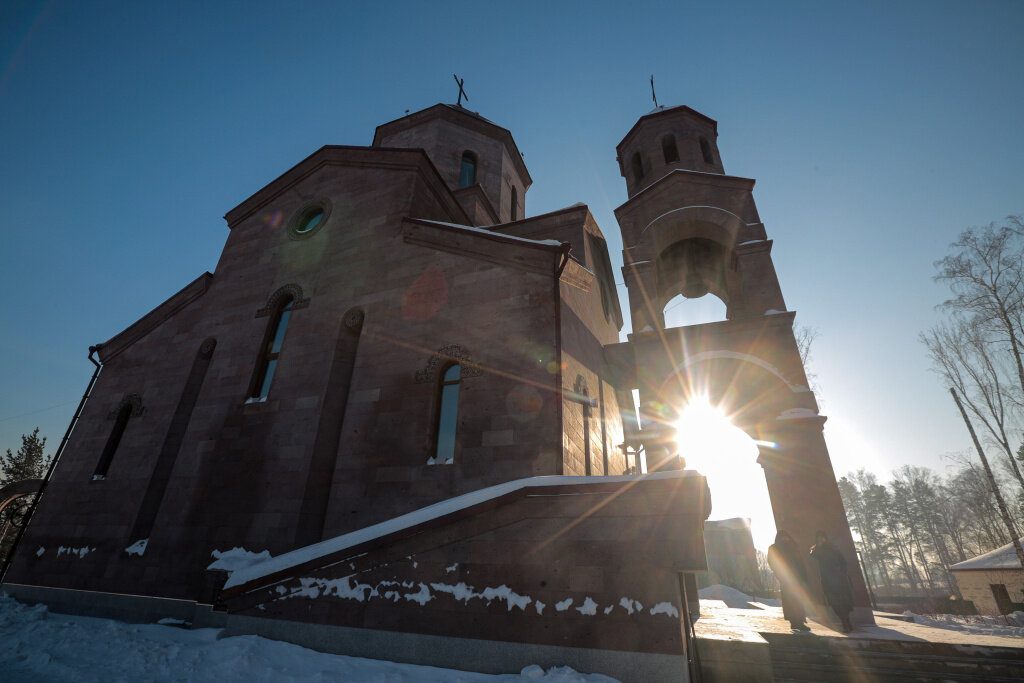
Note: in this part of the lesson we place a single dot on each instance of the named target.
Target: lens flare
(727, 456)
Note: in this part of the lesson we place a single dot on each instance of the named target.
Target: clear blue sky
(876, 132)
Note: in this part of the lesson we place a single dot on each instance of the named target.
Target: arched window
(512, 208)
(467, 173)
(638, 168)
(705, 150)
(129, 406)
(447, 415)
(271, 349)
(668, 148)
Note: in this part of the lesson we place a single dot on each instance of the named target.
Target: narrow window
(705, 149)
(467, 174)
(515, 200)
(448, 415)
(638, 168)
(271, 349)
(120, 423)
(668, 148)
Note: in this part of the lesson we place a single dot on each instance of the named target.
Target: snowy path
(36, 645)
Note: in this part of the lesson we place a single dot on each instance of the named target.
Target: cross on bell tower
(462, 93)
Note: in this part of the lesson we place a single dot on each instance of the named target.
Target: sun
(727, 456)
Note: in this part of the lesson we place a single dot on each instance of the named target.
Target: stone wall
(976, 586)
(593, 563)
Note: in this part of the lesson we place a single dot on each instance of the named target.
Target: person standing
(835, 582)
(787, 562)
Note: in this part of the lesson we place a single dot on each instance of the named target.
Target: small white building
(992, 581)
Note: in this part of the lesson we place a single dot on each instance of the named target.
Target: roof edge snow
(1004, 557)
(484, 232)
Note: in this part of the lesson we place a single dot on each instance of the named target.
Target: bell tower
(689, 228)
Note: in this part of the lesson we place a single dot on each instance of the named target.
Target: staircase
(861, 660)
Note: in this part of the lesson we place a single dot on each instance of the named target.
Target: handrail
(689, 634)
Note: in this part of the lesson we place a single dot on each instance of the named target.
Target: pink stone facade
(386, 294)
(409, 271)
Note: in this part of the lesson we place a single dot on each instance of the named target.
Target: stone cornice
(154, 318)
(414, 160)
(693, 177)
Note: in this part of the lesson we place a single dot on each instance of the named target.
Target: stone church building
(396, 379)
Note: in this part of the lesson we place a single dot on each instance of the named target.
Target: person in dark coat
(787, 562)
(835, 582)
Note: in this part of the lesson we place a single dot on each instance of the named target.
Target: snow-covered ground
(36, 645)
(733, 597)
(1009, 625)
(722, 597)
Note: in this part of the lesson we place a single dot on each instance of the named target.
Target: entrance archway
(17, 489)
(711, 444)
(727, 365)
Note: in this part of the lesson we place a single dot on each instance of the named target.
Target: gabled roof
(1000, 558)
(152, 320)
(403, 159)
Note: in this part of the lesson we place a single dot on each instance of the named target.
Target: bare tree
(1003, 510)
(986, 274)
(805, 337)
(970, 363)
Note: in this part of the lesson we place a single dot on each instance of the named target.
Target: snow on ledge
(797, 414)
(489, 233)
(237, 559)
(271, 565)
(138, 548)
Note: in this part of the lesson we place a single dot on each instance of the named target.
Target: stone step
(909, 665)
(841, 674)
(803, 657)
(903, 648)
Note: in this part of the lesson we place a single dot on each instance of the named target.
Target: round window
(309, 219)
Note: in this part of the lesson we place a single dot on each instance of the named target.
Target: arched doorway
(711, 444)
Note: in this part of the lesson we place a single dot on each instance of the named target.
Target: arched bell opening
(691, 269)
(681, 311)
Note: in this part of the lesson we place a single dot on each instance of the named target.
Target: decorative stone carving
(353, 319)
(450, 353)
(207, 347)
(133, 400)
(292, 290)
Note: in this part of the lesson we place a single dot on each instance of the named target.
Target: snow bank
(1009, 625)
(724, 593)
(718, 596)
(38, 646)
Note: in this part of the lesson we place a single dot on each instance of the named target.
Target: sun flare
(727, 456)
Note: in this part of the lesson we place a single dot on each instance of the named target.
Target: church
(405, 405)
